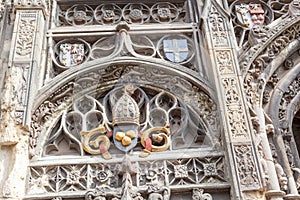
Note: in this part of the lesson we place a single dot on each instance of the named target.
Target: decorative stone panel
(51, 180)
(231, 97)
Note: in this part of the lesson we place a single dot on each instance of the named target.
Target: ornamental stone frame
(233, 97)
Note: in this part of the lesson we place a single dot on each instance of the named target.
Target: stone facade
(150, 100)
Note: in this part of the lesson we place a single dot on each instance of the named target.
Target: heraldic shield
(176, 50)
(126, 123)
(250, 14)
(71, 54)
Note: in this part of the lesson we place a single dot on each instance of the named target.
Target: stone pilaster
(24, 61)
(18, 94)
(238, 134)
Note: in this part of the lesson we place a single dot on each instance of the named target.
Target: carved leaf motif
(224, 61)
(218, 28)
(247, 169)
(198, 194)
(25, 36)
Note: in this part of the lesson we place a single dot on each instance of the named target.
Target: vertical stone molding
(237, 129)
(25, 59)
(24, 62)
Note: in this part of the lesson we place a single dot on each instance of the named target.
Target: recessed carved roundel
(176, 48)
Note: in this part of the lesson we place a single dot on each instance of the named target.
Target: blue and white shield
(176, 50)
(125, 136)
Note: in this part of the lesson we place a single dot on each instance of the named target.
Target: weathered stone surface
(149, 100)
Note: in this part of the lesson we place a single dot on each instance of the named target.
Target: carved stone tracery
(106, 180)
(181, 49)
(133, 13)
(89, 113)
(66, 113)
(239, 132)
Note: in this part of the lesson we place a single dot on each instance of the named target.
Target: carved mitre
(126, 111)
(126, 116)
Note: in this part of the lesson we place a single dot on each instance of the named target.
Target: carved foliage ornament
(260, 62)
(218, 28)
(136, 13)
(287, 98)
(46, 111)
(79, 15)
(248, 174)
(225, 62)
(198, 194)
(25, 36)
(108, 14)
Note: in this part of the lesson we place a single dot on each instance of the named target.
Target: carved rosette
(114, 179)
(132, 13)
